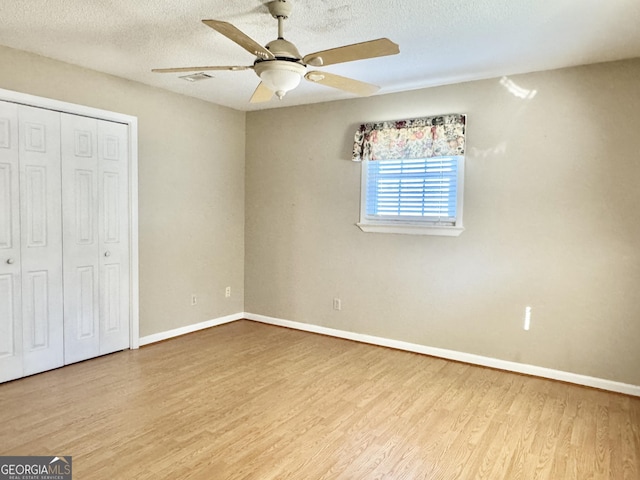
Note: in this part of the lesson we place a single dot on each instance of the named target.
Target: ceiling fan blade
(235, 35)
(342, 83)
(358, 51)
(200, 69)
(262, 94)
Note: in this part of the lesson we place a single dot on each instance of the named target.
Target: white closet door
(80, 238)
(64, 239)
(10, 284)
(96, 237)
(113, 215)
(41, 239)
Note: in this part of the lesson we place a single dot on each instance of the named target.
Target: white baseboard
(176, 332)
(454, 355)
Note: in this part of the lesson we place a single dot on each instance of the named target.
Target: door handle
(10, 261)
(107, 253)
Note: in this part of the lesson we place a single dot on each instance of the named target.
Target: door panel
(35, 135)
(36, 311)
(6, 205)
(84, 141)
(81, 246)
(6, 122)
(114, 236)
(112, 298)
(7, 309)
(41, 239)
(111, 212)
(86, 302)
(85, 198)
(35, 218)
(10, 295)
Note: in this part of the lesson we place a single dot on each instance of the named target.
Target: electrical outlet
(194, 299)
(337, 304)
(227, 292)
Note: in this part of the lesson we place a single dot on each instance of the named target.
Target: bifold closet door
(41, 239)
(95, 220)
(113, 218)
(31, 313)
(10, 283)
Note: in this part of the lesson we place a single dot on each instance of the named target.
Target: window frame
(413, 226)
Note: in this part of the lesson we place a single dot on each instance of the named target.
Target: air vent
(196, 77)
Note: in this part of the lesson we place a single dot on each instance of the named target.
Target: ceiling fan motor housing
(280, 8)
(283, 49)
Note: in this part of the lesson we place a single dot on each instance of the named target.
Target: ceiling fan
(281, 67)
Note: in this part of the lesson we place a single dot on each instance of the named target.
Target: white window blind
(423, 190)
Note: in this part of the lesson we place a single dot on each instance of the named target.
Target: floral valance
(426, 137)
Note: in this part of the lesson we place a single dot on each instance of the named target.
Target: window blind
(424, 188)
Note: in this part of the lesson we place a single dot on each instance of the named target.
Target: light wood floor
(251, 401)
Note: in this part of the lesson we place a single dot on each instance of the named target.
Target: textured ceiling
(441, 42)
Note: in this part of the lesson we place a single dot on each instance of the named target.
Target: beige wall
(191, 187)
(552, 217)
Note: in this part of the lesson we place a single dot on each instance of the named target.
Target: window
(412, 175)
(419, 196)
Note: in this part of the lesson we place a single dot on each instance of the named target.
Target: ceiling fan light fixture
(280, 76)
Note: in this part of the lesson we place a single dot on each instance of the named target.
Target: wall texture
(191, 187)
(551, 216)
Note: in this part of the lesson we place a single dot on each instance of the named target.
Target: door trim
(132, 124)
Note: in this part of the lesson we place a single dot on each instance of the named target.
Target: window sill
(411, 229)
